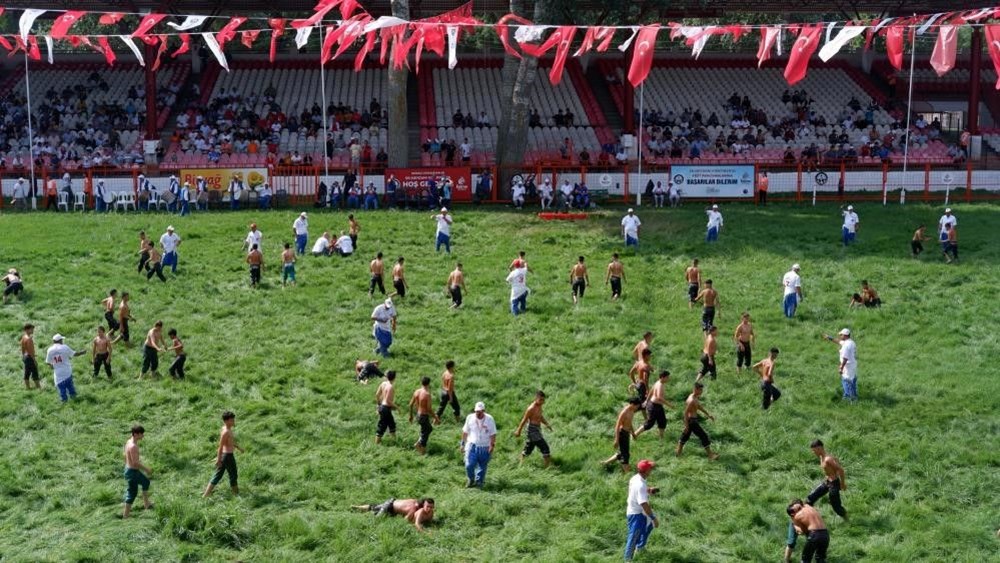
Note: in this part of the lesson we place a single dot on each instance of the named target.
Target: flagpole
(638, 191)
(909, 112)
(31, 134)
(322, 89)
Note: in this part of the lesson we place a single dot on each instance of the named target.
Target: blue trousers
(264, 202)
(476, 460)
(170, 259)
(639, 528)
(847, 235)
(712, 234)
(234, 204)
(790, 303)
(520, 304)
(185, 208)
(850, 388)
(630, 241)
(352, 202)
(99, 205)
(445, 240)
(300, 243)
(66, 388)
(384, 339)
(172, 207)
(371, 202)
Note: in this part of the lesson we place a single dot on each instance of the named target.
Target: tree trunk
(508, 76)
(396, 104)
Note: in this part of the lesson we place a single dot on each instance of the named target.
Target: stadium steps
(598, 87)
(12, 79)
(866, 82)
(413, 114)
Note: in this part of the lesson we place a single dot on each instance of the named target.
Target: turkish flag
(277, 26)
(802, 51)
(503, 34)
(109, 53)
(359, 59)
(248, 37)
(148, 22)
(642, 57)
(993, 42)
(185, 45)
(111, 19)
(159, 53)
(33, 51)
(562, 51)
(768, 36)
(6, 44)
(945, 49)
(61, 25)
(228, 31)
(595, 33)
(894, 45)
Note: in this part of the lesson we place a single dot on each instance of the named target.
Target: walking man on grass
(448, 396)
(714, 224)
(170, 241)
(101, 349)
(534, 418)
(834, 479)
(615, 276)
(630, 229)
(300, 228)
(256, 261)
(517, 279)
(848, 367)
(638, 514)
(692, 275)
(422, 401)
(180, 358)
(384, 328)
(376, 268)
(710, 298)
(647, 340)
(624, 432)
(443, 235)
(28, 357)
(399, 278)
(385, 400)
(792, 284)
(58, 356)
(806, 521)
(109, 312)
(152, 346)
(655, 405)
(136, 474)
(456, 285)
(692, 424)
(744, 338)
(708, 350)
(225, 456)
(765, 369)
(479, 436)
(124, 316)
(578, 279)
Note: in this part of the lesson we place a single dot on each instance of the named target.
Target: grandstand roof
(424, 8)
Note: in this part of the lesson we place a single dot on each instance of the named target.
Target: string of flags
(398, 38)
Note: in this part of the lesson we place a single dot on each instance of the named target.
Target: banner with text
(417, 178)
(735, 181)
(219, 178)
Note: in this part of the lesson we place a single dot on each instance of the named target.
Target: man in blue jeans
(517, 279)
(792, 284)
(479, 436)
(640, 517)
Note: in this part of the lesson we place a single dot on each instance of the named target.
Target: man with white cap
(254, 237)
(851, 222)
(301, 229)
(714, 223)
(58, 356)
(184, 208)
(545, 194)
(792, 284)
(201, 193)
(19, 199)
(848, 363)
(175, 193)
(638, 514)
(443, 230)
(170, 241)
(479, 436)
(385, 326)
(100, 195)
(944, 223)
(565, 195)
(630, 229)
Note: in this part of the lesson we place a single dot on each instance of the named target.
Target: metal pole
(909, 111)
(322, 89)
(31, 134)
(639, 188)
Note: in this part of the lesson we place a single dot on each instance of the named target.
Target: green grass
(920, 448)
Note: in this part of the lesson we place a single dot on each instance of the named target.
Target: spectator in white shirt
(443, 235)
(851, 222)
(170, 241)
(673, 195)
(517, 279)
(638, 514)
(545, 194)
(714, 224)
(792, 285)
(344, 246)
(466, 150)
(58, 356)
(565, 195)
(945, 223)
(301, 229)
(848, 367)
(479, 436)
(322, 245)
(630, 229)
(659, 194)
(254, 237)
(517, 194)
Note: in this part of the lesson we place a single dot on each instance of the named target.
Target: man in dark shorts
(365, 370)
(639, 374)
(917, 243)
(624, 432)
(101, 349)
(615, 276)
(384, 399)
(710, 297)
(765, 369)
(152, 346)
(124, 316)
(692, 275)
(399, 278)
(256, 261)
(807, 521)
(225, 456)
(534, 418)
(136, 474)
(422, 401)
(448, 396)
(655, 413)
(578, 279)
(692, 425)
(376, 269)
(180, 358)
(835, 480)
(28, 357)
(417, 511)
(109, 312)
(708, 366)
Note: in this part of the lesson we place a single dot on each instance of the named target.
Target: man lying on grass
(417, 511)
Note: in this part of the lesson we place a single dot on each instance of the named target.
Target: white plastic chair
(63, 201)
(79, 201)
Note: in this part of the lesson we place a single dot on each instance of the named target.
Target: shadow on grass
(526, 487)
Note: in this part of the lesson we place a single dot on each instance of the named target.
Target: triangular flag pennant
(844, 36)
(504, 35)
(359, 59)
(109, 53)
(62, 24)
(228, 31)
(802, 51)
(562, 51)
(48, 46)
(945, 50)
(189, 22)
(147, 24)
(111, 18)
(894, 45)
(213, 46)
(27, 20)
(34, 53)
(768, 36)
(248, 37)
(594, 34)
(185, 45)
(452, 46)
(6, 44)
(993, 43)
(628, 42)
(277, 26)
(159, 52)
(135, 49)
(302, 36)
(642, 57)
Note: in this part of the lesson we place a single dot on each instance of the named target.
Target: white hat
(12, 271)
(947, 210)
(57, 338)
(715, 206)
(850, 208)
(444, 210)
(303, 214)
(795, 266)
(170, 228)
(480, 407)
(845, 332)
(388, 302)
(630, 210)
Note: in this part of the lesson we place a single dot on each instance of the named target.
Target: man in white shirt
(301, 229)
(443, 231)
(630, 229)
(673, 195)
(517, 194)
(479, 436)
(322, 245)
(344, 246)
(170, 241)
(792, 284)
(851, 223)
(385, 326)
(565, 195)
(58, 356)
(848, 367)
(235, 191)
(254, 237)
(185, 203)
(945, 223)
(545, 194)
(638, 514)
(714, 224)
(517, 279)
(466, 150)
(264, 199)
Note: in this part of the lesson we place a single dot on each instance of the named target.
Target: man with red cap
(640, 517)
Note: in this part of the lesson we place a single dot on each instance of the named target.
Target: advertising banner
(218, 178)
(723, 181)
(416, 179)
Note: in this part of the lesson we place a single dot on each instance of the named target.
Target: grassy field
(920, 448)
